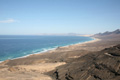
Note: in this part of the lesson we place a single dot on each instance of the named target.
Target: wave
(42, 50)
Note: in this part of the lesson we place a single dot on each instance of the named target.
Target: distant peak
(109, 33)
(117, 30)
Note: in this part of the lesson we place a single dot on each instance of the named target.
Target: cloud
(8, 21)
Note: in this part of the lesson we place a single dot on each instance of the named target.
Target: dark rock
(94, 66)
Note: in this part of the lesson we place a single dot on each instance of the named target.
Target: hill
(108, 33)
(101, 65)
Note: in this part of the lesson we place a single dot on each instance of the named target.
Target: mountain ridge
(108, 33)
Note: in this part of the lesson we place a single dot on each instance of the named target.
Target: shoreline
(54, 49)
(82, 43)
(41, 64)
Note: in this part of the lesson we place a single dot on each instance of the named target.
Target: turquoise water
(18, 46)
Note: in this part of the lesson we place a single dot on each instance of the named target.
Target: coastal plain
(61, 63)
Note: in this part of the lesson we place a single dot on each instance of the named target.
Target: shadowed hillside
(102, 65)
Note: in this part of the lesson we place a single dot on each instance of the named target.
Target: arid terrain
(94, 60)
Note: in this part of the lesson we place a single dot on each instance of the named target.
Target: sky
(33, 17)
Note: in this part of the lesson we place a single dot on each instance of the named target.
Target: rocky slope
(102, 65)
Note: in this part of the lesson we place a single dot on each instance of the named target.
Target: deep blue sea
(12, 47)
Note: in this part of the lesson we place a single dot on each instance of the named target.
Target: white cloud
(8, 21)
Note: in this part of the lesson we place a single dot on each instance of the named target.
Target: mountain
(108, 33)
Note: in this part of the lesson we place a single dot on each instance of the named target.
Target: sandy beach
(59, 39)
(35, 67)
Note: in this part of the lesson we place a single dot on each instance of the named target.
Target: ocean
(12, 46)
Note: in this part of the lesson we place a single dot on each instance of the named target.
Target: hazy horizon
(34, 17)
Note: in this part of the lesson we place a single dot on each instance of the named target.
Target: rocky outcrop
(102, 65)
